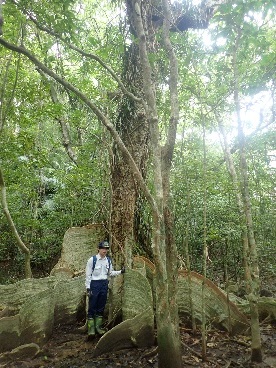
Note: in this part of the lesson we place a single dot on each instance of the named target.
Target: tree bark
(132, 126)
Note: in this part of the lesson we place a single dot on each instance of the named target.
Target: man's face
(102, 252)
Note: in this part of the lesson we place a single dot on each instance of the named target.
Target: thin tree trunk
(204, 258)
(186, 243)
(187, 253)
(21, 245)
(169, 352)
(254, 287)
(227, 284)
(234, 177)
(167, 155)
(256, 342)
(1, 17)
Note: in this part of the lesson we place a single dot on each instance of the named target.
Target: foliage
(47, 192)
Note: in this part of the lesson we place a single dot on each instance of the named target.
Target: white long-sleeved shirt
(100, 271)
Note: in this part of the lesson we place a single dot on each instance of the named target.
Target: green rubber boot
(98, 323)
(91, 327)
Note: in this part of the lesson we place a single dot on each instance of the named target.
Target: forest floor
(69, 348)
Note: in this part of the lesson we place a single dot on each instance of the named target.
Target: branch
(88, 55)
(107, 123)
(66, 140)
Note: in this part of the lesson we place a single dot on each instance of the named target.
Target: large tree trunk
(131, 124)
(133, 129)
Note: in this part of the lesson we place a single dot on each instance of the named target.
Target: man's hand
(123, 270)
(88, 292)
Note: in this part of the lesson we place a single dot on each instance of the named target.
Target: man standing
(98, 268)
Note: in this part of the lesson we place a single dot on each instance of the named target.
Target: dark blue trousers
(97, 298)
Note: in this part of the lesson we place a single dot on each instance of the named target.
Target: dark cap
(103, 245)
